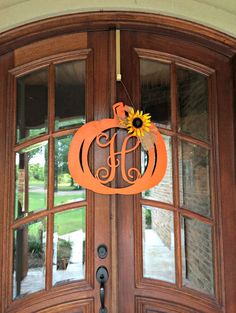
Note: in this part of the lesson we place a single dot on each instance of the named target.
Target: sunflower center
(137, 122)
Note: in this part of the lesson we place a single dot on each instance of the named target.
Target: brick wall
(194, 180)
(193, 102)
(164, 191)
(162, 223)
(197, 255)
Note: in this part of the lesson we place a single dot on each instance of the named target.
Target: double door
(162, 249)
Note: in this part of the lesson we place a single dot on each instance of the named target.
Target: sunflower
(138, 123)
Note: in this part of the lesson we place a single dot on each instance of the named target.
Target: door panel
(56, 225)
(176, 242)
(149, 305)
(79, 306)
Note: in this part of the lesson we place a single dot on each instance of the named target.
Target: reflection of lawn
(67, 188)
(61, 199)
(37, 200)
(69, 221)
(64, 223)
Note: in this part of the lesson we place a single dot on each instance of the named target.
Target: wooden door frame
(165, 26)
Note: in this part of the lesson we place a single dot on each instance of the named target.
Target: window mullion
(177, 223)
(50, 199)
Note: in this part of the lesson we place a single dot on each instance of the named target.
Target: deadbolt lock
(102, 251)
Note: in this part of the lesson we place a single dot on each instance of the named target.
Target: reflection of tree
(61, 162)
(38, 171)
(35, 152)
(35, 158)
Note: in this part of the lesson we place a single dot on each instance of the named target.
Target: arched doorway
(169, 249)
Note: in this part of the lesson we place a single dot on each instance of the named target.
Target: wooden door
(56, 226)
(168, 248)
(173, 250)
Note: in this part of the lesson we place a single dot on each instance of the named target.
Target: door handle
(102, 276)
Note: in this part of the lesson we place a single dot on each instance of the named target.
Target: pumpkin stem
(119, 110)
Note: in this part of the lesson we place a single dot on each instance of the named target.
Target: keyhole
(102, 275)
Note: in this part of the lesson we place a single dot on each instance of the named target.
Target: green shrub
(35, 246)
(64, 249)
(148, 218)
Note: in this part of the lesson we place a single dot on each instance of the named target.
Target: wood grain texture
(50, 190)
(226, 154)
(51, 46)
(79, 306)
(150, 305)
(99, 43)
(113, 198)
(71, 305)
(6, 62)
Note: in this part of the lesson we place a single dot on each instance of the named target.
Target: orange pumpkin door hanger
(140, 130)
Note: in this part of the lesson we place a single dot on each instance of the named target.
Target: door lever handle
(102, 277)
(102, 296)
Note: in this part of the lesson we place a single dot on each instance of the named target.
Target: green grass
(61, 187)
(66, 188)
(38, 200)
(65, 222)
(69, 221)
(62, 199)
(35, 227)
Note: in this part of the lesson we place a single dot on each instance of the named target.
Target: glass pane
(155, 91)
(66, 190)
(69, 246)
(158, 244)
(193, 103)
(32, 104)
(31, 179)
(70, 94)
(29, 258)
(197, 255)
(194, 178)
(164, 191)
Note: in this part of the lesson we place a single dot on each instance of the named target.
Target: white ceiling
(218, 14)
